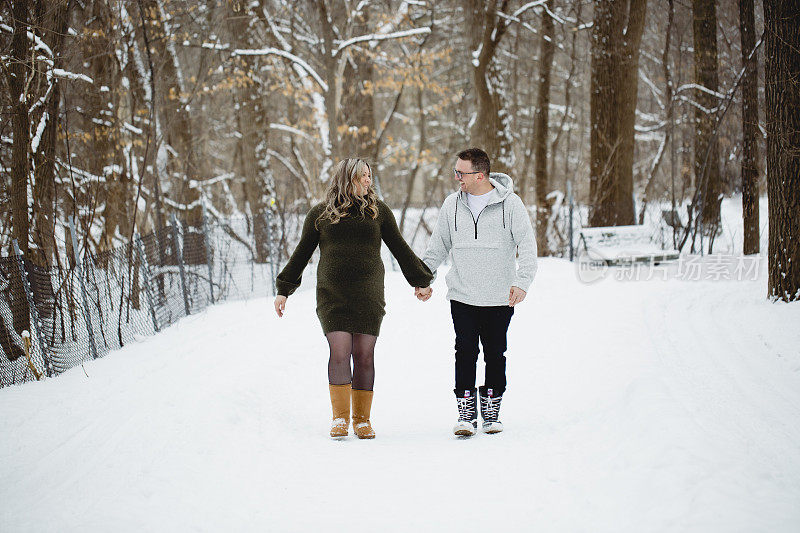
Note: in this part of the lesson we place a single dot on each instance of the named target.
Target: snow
(173, 54)
(133, 129)
(695, 86)
(293, 130)
(37, 136)
(110, 170)
(476, 54)
(291, 57)
(215, 46)
(374, 37)
(400, 14)
(632, 406)
(61, 73)
(527, 6)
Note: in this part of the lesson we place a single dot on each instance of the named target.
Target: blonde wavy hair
(343, 191)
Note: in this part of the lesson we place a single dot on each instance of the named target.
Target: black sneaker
(490, 410)
(467, 424)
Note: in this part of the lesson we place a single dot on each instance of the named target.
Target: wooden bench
(623, 245)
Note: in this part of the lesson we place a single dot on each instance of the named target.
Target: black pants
(490, 325)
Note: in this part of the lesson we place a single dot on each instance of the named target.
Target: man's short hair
(478, 158)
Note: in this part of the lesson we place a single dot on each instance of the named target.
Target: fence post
(179, 252)
(145, 270)
(208, 254)
(87, 315)
(270, 256)
(36, 323)
(571, 204)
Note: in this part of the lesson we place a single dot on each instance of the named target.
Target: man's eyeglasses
(460, 175)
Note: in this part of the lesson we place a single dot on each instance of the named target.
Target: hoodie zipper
(474, 220)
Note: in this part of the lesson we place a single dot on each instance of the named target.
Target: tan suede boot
(362, 404)
(340, 403)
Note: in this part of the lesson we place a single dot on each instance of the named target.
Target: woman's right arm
(292, 274)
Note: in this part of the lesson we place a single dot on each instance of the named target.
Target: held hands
(423, 293)
(516, 296)
(280, 305)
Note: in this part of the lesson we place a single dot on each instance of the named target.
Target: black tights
(362, 348)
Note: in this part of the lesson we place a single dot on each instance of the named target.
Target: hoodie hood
(503, 186)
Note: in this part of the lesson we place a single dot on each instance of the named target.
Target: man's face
(468, 179)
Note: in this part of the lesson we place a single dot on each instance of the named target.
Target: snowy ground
(634, 406)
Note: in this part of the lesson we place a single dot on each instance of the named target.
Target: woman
(348, 227)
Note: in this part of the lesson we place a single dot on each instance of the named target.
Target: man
(483, 227)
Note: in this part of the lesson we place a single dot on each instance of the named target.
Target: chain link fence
(52, 319)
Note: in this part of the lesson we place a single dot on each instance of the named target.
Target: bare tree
(358, 102)
(160, 104)
(252, 155)
(750, 132)
(541, 129)
(782, 75)
(19, 74)
(100, 109)
(706, 148)
(616, 36)
(54, 23)
(489, 129)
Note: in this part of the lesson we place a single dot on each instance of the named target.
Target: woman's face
(365, 181)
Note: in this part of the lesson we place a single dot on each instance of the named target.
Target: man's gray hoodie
(484, 249)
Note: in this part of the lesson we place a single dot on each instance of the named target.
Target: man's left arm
(525, 239)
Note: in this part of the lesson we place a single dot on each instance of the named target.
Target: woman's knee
(339, 357)
(363, 359)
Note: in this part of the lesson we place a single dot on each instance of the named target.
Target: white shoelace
(465, 409)
(490, 407)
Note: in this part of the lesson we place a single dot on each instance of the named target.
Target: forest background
(122, 113)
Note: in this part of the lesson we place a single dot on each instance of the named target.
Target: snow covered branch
(287, 55)
(379, 37)
(528, 6)
(691, 86)
(295, 131)
(697, 105)
(38, 43)
(656, 92)
(67, 75)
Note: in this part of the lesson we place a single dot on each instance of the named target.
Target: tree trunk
(750, 133)
(332, 94)
(100, 118)
(20, 164)
(254, 169)
(541, 129)
(412, 176)
(152, 128)
(782, 72)
(616, 36)
(668, 140)
(185, 166)
(44, 158)
(20, 123)
(488, 131)
(358, 99)
(183, 163)
(706, 148)
(627, 91)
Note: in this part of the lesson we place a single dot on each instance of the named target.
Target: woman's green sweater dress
(350, 271)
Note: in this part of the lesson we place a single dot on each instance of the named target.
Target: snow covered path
(632, 406)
